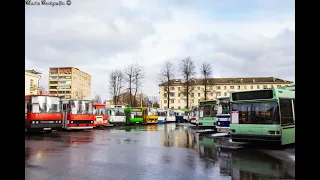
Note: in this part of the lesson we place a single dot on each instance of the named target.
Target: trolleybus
(77, 114)
(263, 115)
(117, 115)
(134, 115)
(150, 115)
(207, 113)
(179, 115)
(42, 113)
(162, 114)
(100, 115)
(194, 115)
(223, 115)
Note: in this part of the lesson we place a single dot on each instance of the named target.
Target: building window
(265, 86)
(31, 82)
(218, 87)
(164, 101)
(192, 94)
(218, 94)
(286, 111)
(165, 95)
(271, 86)
(198, 94)
(244, 87)
(171, 88)
(172, 107)
(192, 88)
(239, 87)
(278, 86)
(172, 101)
(225, 87)
(179, 101)
(179, 107)
(258, 87)
(198, 88)
(178, 88)
(251, 87)
(192, 100)
(165, 107)
(225, 94)
(179, 94)
(211, 94)
(231, 87)
(171, 94)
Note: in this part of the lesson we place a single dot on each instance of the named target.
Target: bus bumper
(160, 121)
(44, 127)
(118, 123)
(79, 127)
(255, 138)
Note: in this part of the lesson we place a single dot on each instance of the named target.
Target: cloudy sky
(240, 38)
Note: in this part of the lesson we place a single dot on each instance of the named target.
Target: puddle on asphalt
(237, 163)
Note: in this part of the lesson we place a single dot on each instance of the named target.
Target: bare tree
(166, 77)
(138, 80)
(129, 79)
(188, 71)
(116, 85)
(206, 72)
(97, 99)
(153, 100)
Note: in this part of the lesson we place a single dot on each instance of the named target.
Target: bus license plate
(137, 122)
(46, 128)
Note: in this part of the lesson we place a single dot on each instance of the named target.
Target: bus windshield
(225, 106)
(162, 114)
(257, 113)
(117, 112)
(136, 114)
(100, 111)
(53, 104)
(81, 107)
(152, 112)
(209, 111)
(45, 104)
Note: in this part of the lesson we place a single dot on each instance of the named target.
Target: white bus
(117, 115)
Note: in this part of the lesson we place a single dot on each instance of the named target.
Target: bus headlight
(33, 122)
(71, 122)
(56, 121)
(59, 121)
(91, 122)
(37, 122)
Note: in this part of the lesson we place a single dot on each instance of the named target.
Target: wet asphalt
(153, 152)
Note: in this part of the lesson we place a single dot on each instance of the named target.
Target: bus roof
(262, 94)
(29, 95)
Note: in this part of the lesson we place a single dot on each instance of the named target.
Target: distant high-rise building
(69, 83)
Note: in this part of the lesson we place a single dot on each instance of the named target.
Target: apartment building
(32, 78)
(69, 82)
(217, 87)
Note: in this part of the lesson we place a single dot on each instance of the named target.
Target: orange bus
(100, 115)
(77, 114)
(42, 113)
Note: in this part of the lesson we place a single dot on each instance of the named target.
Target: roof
(238, 80)
(32, 71)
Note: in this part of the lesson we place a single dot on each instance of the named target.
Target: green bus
(263, 115)
(134, 115)
(208, 113)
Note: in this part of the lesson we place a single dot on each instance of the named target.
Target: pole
(141, 99)
(58, 83)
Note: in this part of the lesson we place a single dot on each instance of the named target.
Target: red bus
(100, 115)
(77, 114)
(42, 113)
